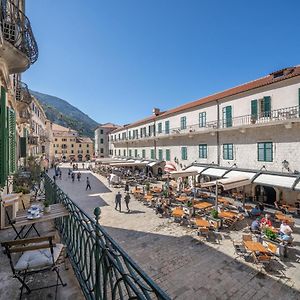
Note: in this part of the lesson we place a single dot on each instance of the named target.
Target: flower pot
(24, 200)
(47, 209)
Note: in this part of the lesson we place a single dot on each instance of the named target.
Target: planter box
(217, 223)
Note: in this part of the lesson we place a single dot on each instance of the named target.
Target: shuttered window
(203, 151)
(143, 153)
(202, 119)
(159, 127)
(168, 155)
(167, 127)
(227, 116)
(184, 153)
(228, 151)
(3, 137)
(11, 125)
(265, 151)
(160, 154)
(183, 123)
(152, 154)
(135, 153)
(254, 109)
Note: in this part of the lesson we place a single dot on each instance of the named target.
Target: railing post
(97, 212)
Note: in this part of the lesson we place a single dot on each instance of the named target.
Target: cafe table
(24, 219)
(281, 217)
(177, 212)
(202, 223)
(203, 205)
(227, 214)
(182, 199)
(255, 247)
(148, 197)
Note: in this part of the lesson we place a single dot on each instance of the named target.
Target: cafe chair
(34, 255)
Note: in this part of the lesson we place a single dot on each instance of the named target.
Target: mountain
(63, 113)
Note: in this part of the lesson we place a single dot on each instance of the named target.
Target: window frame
(184, 155)
(228, 151)
(265, 153)
(183, 123)
(202, 119)
(202, 151)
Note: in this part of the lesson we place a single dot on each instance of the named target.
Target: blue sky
(117, 59)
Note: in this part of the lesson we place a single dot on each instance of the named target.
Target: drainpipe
(218, 134)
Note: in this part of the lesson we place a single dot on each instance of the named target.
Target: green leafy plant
(214, 213)
(147, 186)
(270, 234)
(46, 203)
(22, 189)
(189, 204)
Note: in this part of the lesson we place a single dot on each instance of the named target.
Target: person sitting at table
(285, 231)
(255, 211)
(255, 226)
(265, 221)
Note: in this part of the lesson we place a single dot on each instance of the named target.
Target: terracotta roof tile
(264, 81)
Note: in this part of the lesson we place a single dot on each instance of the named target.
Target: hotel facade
(254, 126)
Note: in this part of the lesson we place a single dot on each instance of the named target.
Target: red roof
(264, 81)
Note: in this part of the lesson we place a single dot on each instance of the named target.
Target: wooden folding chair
(37, 255)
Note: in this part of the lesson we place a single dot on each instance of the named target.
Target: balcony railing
(103, 269)
(22, 93)
(32, 140)
(282, 114)
(16, 29)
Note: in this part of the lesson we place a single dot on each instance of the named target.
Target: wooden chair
(239, 249)
(247, 237)
(37, 255)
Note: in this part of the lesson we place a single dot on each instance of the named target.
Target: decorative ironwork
(16, 29)
(22, 93)
(103, 269)
(32, 140)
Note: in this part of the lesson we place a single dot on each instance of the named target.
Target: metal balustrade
(282, 114)
(16, 29)
(102, 267)
(22, 93)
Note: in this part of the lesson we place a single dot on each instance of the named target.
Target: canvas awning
(154, 163)
(129, 164)
(215, 172)
(185, 173)
(275, 180)
(228, 183)
(195, 168)
(234, 173)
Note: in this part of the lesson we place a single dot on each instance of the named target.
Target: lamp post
(216, 200)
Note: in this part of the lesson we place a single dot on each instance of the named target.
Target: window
(152, 154)
(119, 151)
(129, 134)
(265, 106)
(55, 140)
(160, 154)
(87, 145)
(101, 131)
(72, 151)
(101, 141)
(64, 140)
(168, 155)
(228, 151)
(184, 153)
(135, 153)
(203, 151)
(143, 153)
(72, 145)
(124, 152)
(227, 116)
(265, 151)
(183, 123)
(149, 130)
(253, 109)
(55, 151)
(87, 151)
(130, 152)
(79, 145)
(159, 127)
(202, 119)
(115, 152)
(167, 127)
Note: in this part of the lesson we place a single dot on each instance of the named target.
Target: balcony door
(227, 116)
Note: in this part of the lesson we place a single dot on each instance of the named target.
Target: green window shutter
(168, 155)
(267, 106)
(254, 109)
(299, 102)
(152, 154)
(227, 116)
(23, 147)
(11, 125)
(3, 137)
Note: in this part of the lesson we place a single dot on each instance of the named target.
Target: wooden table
(182, 199)
(202, 223)
(137, 191)
(255, 247)
(178, 212)
(148, 197)
(223, 201)
(156, 190)
(289, 208)
(227, 214)
(203, 205)
(56, 211)
(282, 217)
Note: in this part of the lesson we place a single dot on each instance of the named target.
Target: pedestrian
(88, 185)
(78, 176)
(69, 173)
(60, 173)
(82, 165)
(127, 200)
(126, 187)
(73, 176)
(54, 178)
(108, 179)
(118, 201)
(76, 166)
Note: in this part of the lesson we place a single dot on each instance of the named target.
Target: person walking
(73, 176)
(78, 176)
(118, 201)
(82, 165)
(88, 185)
(69, 173)
(126, 188)
(60, 173)
(127, 200)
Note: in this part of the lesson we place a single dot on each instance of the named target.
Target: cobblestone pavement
(173, 256)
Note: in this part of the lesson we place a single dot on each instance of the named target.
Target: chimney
(156, 111)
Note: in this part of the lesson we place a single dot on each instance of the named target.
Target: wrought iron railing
(103, 269)
(22, 93)
(282, 114)
(16, 29)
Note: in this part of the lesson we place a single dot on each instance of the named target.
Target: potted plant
(47, 206)
(147, 187)
(25, 197)
(214, 216)
(270, 234)
(189, 205)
